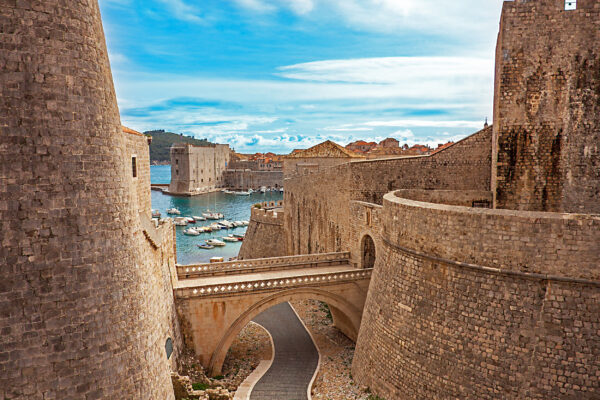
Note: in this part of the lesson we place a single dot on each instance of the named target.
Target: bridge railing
(245, 266)
(227, 289)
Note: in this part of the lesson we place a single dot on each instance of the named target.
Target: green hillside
(162, 141)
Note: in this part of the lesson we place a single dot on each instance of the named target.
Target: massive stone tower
(76, 313)
(547, 107)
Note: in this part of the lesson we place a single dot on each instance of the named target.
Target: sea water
(234, 208)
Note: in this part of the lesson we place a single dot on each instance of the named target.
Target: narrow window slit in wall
(134, 166)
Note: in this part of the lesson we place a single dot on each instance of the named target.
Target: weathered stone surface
(265, 236)
(547, 107)
(85, 301)
(198, 169)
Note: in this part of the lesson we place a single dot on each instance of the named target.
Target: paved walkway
(296, 357)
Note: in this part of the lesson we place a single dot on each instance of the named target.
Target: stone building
(198, 169)
(361, 146)
(254, 172)
(389, 143)
(319, 157)
(86, 302)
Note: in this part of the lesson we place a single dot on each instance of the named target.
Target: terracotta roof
(131, 131)
(327, 149)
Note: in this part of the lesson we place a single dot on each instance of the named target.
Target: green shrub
(199, 386)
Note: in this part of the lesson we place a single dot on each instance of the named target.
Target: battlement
(270, 212)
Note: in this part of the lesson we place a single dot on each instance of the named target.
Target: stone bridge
(215, 301)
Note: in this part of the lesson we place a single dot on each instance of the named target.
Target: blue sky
(274, 75)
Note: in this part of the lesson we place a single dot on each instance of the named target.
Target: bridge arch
(368, 251)
(343, 312)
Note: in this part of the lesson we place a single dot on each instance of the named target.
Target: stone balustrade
(274, 284)
(307, 260)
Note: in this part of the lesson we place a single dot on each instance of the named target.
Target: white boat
(155, 214)
(230, 238)
(216, 259)
(197, 218)
(263, 189)
(242, 193)
(250, 191)
(214, 227)
(191, 232)
(215, 242)
(227, 224)
(173, 211)
(246, 223)
(181, 222)
(190, 220)
(280, 190)
(212, 216)
(238, 223)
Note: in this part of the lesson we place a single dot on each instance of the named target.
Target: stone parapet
(275, 284)
(307, 260)
(546, 243)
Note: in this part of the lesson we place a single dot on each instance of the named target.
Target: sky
(275, 75)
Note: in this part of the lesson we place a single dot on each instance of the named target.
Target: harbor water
(233, 207)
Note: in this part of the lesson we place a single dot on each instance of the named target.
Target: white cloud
(412, 123)
(182, 11)
(389, 70)
(299, 6)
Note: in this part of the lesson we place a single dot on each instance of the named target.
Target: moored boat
(191, 232)
(230, 238)
(173, 211)
(180, 221)
(206, 246)
(215, 242)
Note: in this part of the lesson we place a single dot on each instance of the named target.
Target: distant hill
(162, 141)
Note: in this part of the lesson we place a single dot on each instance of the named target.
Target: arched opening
(368, 252)
(349, 319)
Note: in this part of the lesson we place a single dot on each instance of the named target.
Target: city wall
(244, 179)
(136, 144)
(547, 107)
(85, 303)
(482, 304)
(265, 235)
(317, 206)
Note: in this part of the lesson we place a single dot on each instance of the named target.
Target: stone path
(296, 357)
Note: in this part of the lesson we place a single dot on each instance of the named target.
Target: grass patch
(199, 386)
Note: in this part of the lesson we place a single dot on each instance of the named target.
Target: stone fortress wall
(482, 304)
(136, 144)
(547, 108)
(244, 179)
(86, 305)
(265, 235)
(468, 300)
(317, 206)
(198, 169)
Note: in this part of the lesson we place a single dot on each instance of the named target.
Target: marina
(204, 218)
